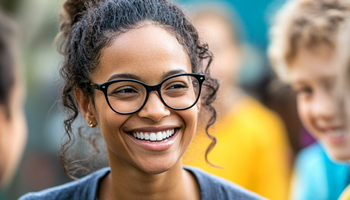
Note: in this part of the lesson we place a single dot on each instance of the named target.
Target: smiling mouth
(159, 136)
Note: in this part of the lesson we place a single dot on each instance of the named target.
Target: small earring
(91, 124)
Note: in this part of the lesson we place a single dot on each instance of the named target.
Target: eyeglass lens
(177, 92)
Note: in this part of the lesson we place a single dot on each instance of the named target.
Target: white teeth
(146, 136)
(153, 137)
(159, 136)
(336, 133)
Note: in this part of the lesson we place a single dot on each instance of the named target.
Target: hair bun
(71, 13)
(74, 9)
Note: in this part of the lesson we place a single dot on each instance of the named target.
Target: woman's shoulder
(84, 188)
(214, 187)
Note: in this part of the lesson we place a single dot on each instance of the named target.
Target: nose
(324, 106)
(154, 108)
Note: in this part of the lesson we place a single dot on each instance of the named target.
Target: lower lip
(156, 146)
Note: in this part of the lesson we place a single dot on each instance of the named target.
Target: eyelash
(304, 90)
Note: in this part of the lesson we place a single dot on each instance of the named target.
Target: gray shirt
(211, 188)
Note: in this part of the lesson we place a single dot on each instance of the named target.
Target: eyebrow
(127, 76)
(133, 76)
(173, 72)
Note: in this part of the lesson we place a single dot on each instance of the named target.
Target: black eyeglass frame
(104, 87)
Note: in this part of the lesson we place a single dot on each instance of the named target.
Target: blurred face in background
(218, 33)
(13, 132)
(313, 76)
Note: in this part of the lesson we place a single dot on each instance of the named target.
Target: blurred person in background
(44, 119)
(252, 148)
(343, 86)
(13, 127)
(303, 53)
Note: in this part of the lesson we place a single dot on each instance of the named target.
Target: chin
(157, 170)
(339, 155)
(158, 167)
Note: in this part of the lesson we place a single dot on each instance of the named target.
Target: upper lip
(152, 128)
(332, 128)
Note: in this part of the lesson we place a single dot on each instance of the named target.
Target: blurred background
(40, 167)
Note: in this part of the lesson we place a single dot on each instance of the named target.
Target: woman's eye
(124, 91)
(127, 90)
(177, 86)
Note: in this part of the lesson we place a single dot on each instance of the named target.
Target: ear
(86, 106)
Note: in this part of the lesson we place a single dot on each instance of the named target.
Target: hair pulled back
(89, 26)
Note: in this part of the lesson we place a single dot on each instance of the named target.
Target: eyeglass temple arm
(94, 86)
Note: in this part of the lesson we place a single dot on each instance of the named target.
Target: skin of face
(218, 33)
(215, 31)
(312, 76)
(13, 134)
(150, 53)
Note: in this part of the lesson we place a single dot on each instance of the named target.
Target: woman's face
(148, 54)
(313, 75)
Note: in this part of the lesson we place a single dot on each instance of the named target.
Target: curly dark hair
(88, 26)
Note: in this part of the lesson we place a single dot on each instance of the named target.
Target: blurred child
(343, 83)
(13, 128)
(252, 148)
(303, 53)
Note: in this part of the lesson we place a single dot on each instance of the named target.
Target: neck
(127, 182)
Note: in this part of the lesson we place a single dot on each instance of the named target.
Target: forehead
(215, 29)
(148, 51)
(311, 64)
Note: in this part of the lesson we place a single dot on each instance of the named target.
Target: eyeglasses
(127, 96)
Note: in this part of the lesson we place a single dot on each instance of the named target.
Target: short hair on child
(304, 24)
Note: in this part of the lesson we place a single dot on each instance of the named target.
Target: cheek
(306, 117)
(190, 118)
(110, 124)
(304, 111)
(101, 110)
(108, 121)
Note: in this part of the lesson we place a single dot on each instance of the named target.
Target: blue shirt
(211, 187)
(317, 177)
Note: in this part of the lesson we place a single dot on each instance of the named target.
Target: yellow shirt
(252, 148)
(345, 195)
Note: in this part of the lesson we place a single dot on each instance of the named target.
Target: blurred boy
(343, 83)
(303, 53)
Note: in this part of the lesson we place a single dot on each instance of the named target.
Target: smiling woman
(134, 69)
